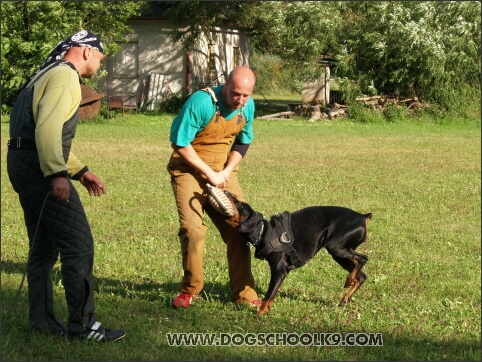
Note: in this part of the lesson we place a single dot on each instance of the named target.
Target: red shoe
(182, 300)
(255, 303)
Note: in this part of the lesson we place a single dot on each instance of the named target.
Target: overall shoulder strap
(36, 76)
(215, 100)
(211, 92)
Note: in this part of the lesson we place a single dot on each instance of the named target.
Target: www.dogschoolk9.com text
(275, 339)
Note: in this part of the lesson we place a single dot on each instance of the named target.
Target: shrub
(394, 112)
(174, 103)
(361, 113)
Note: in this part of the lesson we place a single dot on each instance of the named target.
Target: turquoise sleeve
(195, 114)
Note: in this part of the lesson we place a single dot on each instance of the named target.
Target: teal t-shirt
(199, 109)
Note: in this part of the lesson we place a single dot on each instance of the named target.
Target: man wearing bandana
(41, 166)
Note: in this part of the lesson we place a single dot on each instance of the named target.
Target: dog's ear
(252, 220)
(252, 227)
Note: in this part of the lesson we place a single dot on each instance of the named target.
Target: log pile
(332, 111)
(381, 102)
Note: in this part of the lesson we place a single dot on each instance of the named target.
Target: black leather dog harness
(279, 237)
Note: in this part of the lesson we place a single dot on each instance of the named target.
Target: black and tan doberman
(290, 240)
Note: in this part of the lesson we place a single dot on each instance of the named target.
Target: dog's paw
(264, 308)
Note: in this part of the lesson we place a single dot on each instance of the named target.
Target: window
(236, 57)
(126, 61)
(211, 63)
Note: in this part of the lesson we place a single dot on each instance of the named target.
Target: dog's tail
(368, 216)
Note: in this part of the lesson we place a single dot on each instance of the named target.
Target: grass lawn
(421, 181)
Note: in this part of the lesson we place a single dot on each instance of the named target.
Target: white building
(151, 67)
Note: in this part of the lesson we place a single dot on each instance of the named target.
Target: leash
(15, 299)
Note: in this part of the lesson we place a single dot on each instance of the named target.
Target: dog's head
(250, 222)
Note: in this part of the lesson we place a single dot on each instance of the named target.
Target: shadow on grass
(133, 300)
(153, 290)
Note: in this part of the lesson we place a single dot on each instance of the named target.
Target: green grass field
(421, 181)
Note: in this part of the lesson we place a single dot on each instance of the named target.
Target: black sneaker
(99, 333)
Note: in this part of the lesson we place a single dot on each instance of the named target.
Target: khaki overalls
(212, 144)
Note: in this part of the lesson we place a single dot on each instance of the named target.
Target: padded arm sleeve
(239, 147)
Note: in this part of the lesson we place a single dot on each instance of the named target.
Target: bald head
(242, 75)
(238, 87)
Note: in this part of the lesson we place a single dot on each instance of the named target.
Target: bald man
(41, 166)
(210, 136)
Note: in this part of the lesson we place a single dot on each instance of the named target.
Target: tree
(297, 31)
(31, 29)
(429, 49)
(193, 18)
(425, 49)
(309, 30)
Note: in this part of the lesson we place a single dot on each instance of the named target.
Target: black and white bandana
(82, 38)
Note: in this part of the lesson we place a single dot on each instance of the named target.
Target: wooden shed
(151, 67)
(318, 92)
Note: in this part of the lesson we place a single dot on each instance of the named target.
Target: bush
(464, 103)
(174, 103)
(394, 112)
(361, 113)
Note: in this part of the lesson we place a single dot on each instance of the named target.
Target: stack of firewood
(380, 102)
(331, 111)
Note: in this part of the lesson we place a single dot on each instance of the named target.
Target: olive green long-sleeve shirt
(56, 97)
